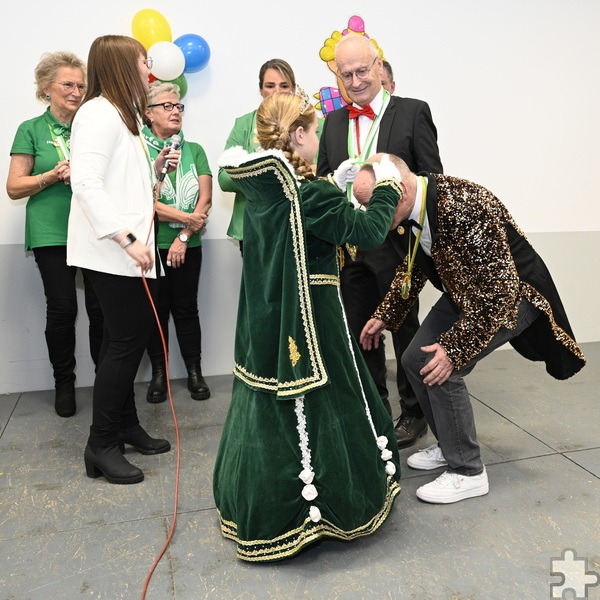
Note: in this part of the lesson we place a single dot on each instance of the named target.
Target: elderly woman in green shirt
(40, 171)
(186, 198)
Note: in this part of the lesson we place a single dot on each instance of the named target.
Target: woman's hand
(142, 255)
(176, 254)
(195, 221)
(62, 171)
(169, 157)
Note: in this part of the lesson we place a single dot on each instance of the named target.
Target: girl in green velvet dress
(308, 449)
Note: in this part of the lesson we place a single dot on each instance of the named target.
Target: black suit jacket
(406, 130)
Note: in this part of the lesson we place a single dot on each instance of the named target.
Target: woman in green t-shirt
(186, 198)
(39, 169)
(276, 75)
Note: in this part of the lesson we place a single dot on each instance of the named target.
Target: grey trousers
(447, 407)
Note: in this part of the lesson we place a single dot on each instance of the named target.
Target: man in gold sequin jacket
(495, 289)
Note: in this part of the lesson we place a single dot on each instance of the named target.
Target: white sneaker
(451, 487)
(427, 459)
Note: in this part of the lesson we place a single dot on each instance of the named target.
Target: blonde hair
(160, 88)
(47, 70)
(278, 116)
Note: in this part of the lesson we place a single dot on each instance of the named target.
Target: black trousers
(61, 300)
(178, 296)
(364, 284)
(128, 322)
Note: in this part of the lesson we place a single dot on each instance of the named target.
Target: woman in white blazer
(111, 237)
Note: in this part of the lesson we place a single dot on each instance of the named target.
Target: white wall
(513, 86)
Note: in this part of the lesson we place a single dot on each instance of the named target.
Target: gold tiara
(304, 97)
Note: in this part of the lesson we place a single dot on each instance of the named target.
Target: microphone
(175, 144)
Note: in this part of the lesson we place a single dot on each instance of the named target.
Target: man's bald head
(364, 183)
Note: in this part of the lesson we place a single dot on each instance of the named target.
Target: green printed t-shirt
(167, 232)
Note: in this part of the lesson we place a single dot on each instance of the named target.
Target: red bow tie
(355, 112)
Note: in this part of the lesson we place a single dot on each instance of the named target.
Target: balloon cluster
(171, 59)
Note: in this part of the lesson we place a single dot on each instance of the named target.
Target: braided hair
(278, 116)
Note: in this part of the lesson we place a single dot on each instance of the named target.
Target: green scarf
(179, 189)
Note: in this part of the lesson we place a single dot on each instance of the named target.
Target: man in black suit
(377, 122)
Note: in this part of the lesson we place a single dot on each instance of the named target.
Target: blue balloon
(196, 51)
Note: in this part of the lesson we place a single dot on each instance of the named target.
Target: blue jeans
(447, 407)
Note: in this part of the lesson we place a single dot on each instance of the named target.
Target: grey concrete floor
(63, 535)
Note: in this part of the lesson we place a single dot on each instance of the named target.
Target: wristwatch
(184, 237)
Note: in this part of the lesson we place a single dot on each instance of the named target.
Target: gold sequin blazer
(486, 265)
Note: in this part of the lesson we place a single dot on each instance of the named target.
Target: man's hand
(439, 368)
(369, 336)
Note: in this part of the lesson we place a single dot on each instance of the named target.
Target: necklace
(412, 252)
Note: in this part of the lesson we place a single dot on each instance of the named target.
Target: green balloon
(182, 83)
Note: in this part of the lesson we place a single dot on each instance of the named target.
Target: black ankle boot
(195, 383)
(138, 438)
(64, 401)
(61, 350)
(157, 389)
(110, 463)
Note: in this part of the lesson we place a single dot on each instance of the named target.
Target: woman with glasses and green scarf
(40, 171)
(186, 197)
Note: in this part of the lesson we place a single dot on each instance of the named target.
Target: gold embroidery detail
(324, 279)
(294, 354)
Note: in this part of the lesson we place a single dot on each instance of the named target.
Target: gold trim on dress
(290, 189)
(291, 542)
(324, 279)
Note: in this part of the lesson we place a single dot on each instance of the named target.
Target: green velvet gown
(308, 450)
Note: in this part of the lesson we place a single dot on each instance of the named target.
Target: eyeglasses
(70, 86)
(361, 74)
(168, 106)
(148, 62)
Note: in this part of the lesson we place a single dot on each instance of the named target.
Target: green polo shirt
(47, 212)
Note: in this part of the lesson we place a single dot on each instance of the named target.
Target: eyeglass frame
(180, 107)
(70, 86)
(148, 61)
(360, 74)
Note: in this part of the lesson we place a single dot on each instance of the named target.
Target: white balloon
(168, 60)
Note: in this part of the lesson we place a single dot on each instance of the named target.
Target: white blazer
(112, 180)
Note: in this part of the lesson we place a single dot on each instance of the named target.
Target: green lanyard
(60, 143)
(373, 131)
(406, 282)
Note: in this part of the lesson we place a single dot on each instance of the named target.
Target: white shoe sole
(419, 465)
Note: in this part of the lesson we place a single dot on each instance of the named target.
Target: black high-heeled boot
(138, 438)
(110, 463)
(157, 389)
(61, 350)
(196, 385)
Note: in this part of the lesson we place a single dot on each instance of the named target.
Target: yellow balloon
(149, 26)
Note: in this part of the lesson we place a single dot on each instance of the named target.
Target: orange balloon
(149, 26)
